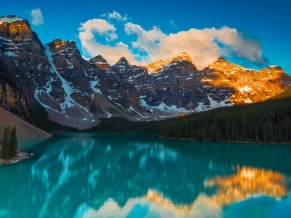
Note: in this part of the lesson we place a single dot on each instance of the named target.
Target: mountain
(24, 129)
(249, 85)
(100, 62)
(162, 65)
(55, 82)
(56, 77)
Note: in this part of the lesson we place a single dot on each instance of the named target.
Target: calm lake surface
(139, 175)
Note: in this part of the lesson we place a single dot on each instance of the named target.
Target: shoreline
(223, 141)
(21, 156)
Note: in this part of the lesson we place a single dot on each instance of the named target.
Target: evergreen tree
(9, 144)
(5, 149)
(14, 141)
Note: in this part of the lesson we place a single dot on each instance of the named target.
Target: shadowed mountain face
(24, 129)
(76, 92)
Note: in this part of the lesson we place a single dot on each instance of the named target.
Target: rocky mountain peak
(100, 62)
(122, 60)
(160, 65)
(274, 67)
(60, 44)
(183, 56)
(15, 28)
(10, 19)
(223, 65)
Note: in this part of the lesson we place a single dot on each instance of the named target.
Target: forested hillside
(266, 122)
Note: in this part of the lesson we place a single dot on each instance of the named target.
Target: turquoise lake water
(139, 175)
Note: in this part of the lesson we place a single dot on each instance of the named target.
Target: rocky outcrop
(100, 62)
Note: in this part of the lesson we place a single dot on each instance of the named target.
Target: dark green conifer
(9, 144)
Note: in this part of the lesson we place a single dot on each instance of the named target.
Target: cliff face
(249, 85)
(11, 97)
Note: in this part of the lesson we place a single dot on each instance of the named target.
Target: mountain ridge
(78, 92)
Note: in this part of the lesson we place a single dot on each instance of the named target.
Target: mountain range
(56, 80)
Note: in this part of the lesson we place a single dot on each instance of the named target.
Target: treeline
(9, 144)
(266, 122)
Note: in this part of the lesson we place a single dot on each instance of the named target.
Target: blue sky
(260, 30)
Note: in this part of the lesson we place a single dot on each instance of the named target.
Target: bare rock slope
(24, 129)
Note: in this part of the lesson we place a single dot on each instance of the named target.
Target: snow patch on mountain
(245, 89)
(93, 86)
(215, 104)
(165, 63)
(69, 101)
(10, 54)
(10, 19)
(164, 107)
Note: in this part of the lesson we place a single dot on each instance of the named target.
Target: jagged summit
(158, 66)
(122, 60)
(183, 56)
(100, 62)
(15, 28)
(224, 65)
(274, 67)
(10, 19)
(58, 43)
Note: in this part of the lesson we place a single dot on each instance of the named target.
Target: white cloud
(99, 26)
(36, 16)
(116, 16)
(92, 48)
(147, 41)
(203, 45)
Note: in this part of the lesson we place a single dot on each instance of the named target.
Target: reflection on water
(133, 175)
(153, 205)
(248, 182)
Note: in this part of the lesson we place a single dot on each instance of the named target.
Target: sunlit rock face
(164, 64)
(249, 85)
(248, 182)
(15, 28)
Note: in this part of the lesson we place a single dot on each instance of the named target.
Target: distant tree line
(266, 122)
(9, 144)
